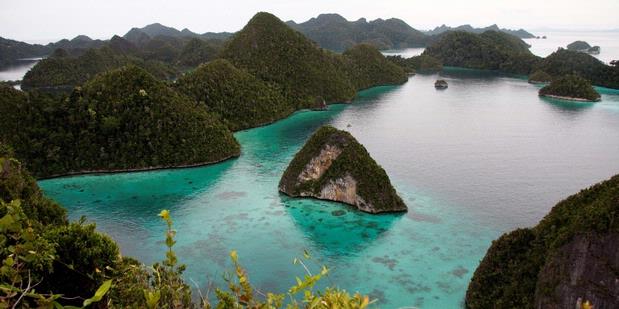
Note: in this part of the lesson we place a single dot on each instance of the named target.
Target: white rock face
(320, 164)
(342, 189)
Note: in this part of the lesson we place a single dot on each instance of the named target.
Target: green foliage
(540, 76)
(491, 50)
(334, 32)
(11, 51)
(241, 100)
(306, 74)
(571, 86)
(370, 68)
(196, 52)
(275, 53)
(507, 276)
(17, 184)
(242, 295)
(373, 184)
(565, 62)
(121, 120)
(64, 72)
(422, 63)
(578, 46)
(85, 258)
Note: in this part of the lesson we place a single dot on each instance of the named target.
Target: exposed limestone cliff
(334, 166)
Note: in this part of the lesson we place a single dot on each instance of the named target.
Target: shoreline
(573, 99)
(136, 170)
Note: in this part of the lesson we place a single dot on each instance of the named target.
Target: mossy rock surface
(333, 165)
(571, 87)
(520, 268)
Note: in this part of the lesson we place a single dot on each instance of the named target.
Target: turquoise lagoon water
(483, 157)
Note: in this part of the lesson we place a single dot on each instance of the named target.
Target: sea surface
(16, 71)
(478, 159)
(607, 40)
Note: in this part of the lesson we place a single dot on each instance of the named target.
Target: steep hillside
(121, 120)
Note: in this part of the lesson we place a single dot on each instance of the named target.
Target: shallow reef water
(476, 160)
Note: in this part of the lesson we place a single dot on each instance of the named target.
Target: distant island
(490, 50)
(334, 32)
(571, 87)
(582, 46)
(332, 165)
(521, 33)
(329, 31)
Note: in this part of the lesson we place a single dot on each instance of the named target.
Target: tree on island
(571, 87)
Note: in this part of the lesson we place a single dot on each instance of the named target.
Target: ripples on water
(473, 161)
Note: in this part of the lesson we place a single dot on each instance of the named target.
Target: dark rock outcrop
(334, 166)
(441, 84)
(584, 269)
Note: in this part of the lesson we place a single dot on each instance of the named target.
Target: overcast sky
(49, 20)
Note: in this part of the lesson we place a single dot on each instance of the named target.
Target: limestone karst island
(306, 155)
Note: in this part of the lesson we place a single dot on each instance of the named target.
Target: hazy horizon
(51, 21)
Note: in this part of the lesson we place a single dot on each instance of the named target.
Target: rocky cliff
(334, 166)
(570, 258)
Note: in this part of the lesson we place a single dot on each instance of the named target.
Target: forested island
(584, 47)
(520, 33)
(332, 165)
(124, 119)
(571, 87)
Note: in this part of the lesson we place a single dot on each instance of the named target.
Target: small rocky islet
(572, 88)
(333, 165)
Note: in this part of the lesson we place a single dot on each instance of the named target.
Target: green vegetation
(578, 46)
(490, 50)
(565, 62)
(121, 120)
(62, 71)
(508, 275)
(370, 68)
(422, 63)
(11, 51)
(540, 77)
(17, 184)
(372, 183)
(571, 87)
(334, 32)
(306, 74)
(196, 52)
(241, 100)
(53, 263)
(275, 53)
(520, 33)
